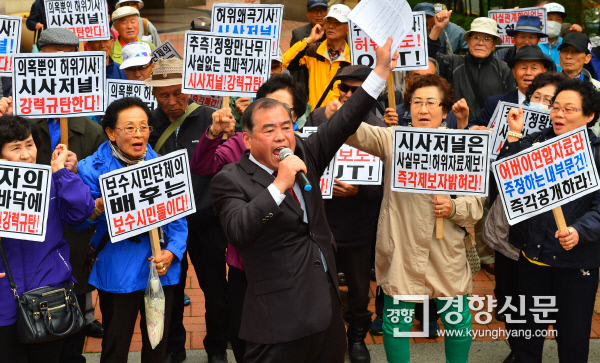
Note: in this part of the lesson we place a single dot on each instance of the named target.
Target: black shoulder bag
(46, 313)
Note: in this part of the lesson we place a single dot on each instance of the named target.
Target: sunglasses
(138, 68)
(346, 88)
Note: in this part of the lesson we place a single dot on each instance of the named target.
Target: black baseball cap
(311, 4)
(579, 41)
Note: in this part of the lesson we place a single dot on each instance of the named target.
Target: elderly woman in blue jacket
(120, 272)
(560, 268)
(35, 264)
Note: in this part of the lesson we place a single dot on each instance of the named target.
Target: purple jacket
(35, 264)
(209, 158)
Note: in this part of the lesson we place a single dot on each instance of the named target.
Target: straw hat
(486, 26)
(120, 3)
(168, 72)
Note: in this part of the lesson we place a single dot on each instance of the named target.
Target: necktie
(291, 190)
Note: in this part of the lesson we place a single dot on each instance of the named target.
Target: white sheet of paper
(381, 19)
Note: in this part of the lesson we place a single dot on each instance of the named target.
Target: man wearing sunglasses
(477, 75)
(352, 215)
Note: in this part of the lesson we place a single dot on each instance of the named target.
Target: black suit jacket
(484, 117)
(288, 294)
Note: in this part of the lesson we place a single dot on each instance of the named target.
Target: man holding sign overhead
(281, 230)
(558, 266)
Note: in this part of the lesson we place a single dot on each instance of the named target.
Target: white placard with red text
(24, 200)
(412, 50)
(59, 84)
(88, 19)
(440, 161)
(165, 51)
(546, 176)
(147, 195)
(10, 42)
(249, 20)
(225, 65)
(210, 101)
(119, 88)
(507, 19)
(357, 167)
(535, 120)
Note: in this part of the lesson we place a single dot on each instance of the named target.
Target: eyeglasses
(138, 68)
(567, 110)
(539, 99)
(318, 10)
(130, 130)
(485, 39)
(347, 88)
(333, 22)
(430, 104)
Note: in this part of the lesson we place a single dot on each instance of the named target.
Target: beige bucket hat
(167, 72)
(484, 25)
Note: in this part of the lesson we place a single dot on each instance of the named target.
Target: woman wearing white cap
(147, 30)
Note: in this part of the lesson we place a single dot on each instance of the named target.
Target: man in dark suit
(528, 62)
(292, 309)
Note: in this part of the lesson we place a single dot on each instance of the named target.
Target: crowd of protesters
(269, 255)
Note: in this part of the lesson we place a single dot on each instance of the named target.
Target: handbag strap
(174, 125)
(13, 286)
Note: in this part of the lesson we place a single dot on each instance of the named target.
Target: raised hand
(461, 111)
(222, 121)
(383, 66)
(59, 157)
(315, 34)
(390, 117)
(332, 107)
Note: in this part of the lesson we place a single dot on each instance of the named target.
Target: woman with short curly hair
(560, 268)
(409, 259)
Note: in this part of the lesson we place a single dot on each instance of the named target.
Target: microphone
(300, 176)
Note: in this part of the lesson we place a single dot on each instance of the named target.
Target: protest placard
(412, 50)
(59, 84)
(210, 101)
(249, 20)
(165, 51)
(119, 88)
(24, 200)
(10, 42)
(148, 195)
(507, 19)
(546, 176)
(440, 161)
(535, 120)
(88, 19)
(326, 182)
(357, 167)
(381, 19)
(225, 65)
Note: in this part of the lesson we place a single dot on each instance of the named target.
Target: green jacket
(85, 136)
(115, 53)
